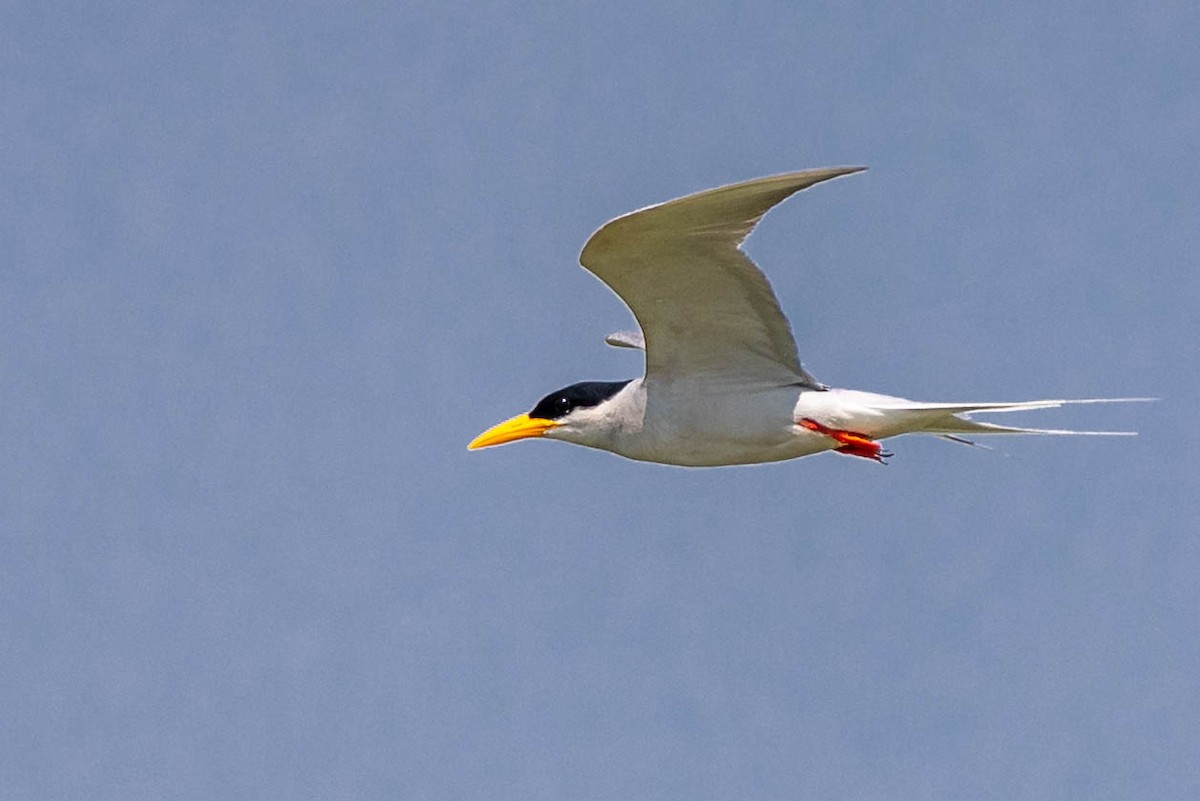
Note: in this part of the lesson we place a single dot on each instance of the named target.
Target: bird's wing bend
(708, 314)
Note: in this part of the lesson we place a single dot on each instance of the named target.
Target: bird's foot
(853, 444)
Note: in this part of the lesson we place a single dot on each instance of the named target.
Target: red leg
(853, 444)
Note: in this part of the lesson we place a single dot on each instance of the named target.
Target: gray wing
(626, 339)
(707, 312)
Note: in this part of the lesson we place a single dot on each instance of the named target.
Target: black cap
(558, 405)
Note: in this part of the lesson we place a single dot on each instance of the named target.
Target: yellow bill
(520, 427)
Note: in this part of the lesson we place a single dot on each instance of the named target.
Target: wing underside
(707, 313)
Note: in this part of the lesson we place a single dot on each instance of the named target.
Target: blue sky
(269, 267)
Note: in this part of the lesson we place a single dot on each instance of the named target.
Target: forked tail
(858, 420)
(954, 418)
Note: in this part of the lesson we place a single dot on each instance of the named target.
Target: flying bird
(723, 383)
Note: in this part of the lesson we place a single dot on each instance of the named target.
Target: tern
(723, 383)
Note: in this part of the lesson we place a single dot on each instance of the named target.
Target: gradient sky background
(268, 267)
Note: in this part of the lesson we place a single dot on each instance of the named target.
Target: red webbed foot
(853, 444)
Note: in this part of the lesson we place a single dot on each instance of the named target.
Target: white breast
(675, 425)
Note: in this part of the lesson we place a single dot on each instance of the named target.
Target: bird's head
(582, 413)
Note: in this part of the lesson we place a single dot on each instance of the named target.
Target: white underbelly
(710, 430)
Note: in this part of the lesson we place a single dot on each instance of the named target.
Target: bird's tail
(948, 419)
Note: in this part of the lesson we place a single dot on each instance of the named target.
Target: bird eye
(562, 404)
